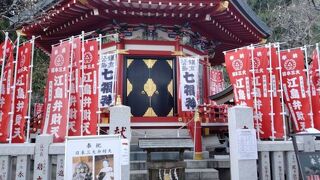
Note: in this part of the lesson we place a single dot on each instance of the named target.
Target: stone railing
(276, 160)
(40, 161)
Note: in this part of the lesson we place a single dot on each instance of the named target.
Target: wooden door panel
(162, 99)
(150, 87)
(137, 75)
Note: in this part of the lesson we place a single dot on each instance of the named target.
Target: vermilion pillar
(197, 137)
(120, 48)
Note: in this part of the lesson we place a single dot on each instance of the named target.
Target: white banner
(107, 80)
(93, 157)
(189, 69)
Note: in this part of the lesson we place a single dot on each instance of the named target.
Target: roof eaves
(252, 17)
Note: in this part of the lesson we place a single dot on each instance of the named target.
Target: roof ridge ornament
(263, 41)
(84, 2)
(223, 6)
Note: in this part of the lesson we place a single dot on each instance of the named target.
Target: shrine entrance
(150, 86)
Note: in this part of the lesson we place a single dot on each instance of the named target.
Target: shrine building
(151, 37)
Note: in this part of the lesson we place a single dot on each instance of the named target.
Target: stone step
(219, 163)
(191, 174)
(191, 164)
(142, 156)
(134, 147)
(157, 133)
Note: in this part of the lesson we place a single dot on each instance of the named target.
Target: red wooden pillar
(120, 48)
(197, 137)
(206, 82)
(177, 53)
(206, 93)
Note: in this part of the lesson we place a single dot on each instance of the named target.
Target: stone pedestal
(120, 124)
(41, 157)
(240, 117)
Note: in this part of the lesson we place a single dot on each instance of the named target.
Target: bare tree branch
(24, 11)
(316, 6)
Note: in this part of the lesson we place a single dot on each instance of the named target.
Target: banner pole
(82, 81)
(271, 91)
(3, 59)
(254, 45)
(308, 84)
(254, 92)
(281, 92)
(66, 39)
(30, 89)
(98, 87)
(3, 63)
(318, 54)
(194, 133)
(14, 88)
(69, 84)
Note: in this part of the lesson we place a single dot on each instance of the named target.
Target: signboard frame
(90, 151)
(307, 169)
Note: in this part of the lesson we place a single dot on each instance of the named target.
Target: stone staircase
(196, 170)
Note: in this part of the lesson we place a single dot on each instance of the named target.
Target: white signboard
(189, 69)
(93, 157)
(107, 78)
(247, 144)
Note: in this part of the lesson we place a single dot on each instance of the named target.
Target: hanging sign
(8, 49)
(295, 87)
(315, 88)
(216, 81)
(238, 66)
(38, 116)
(93, 157)
(75, 101)
(189, 69)
(56, 115)
(316, 68)
(38, 109)
(277, 107)
(22, 87)
(6, 98)
(90, 84)
(108, 71)
(264, 117)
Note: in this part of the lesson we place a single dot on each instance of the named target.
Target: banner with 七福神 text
(56, 115)
(6, 98)
(75, 101)
(189, 69)
(216, 81)
(266, 108)
(108, 73)
(90, 84)
(22, 87)
(238, 66)
(295, 88)
(315, 87)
